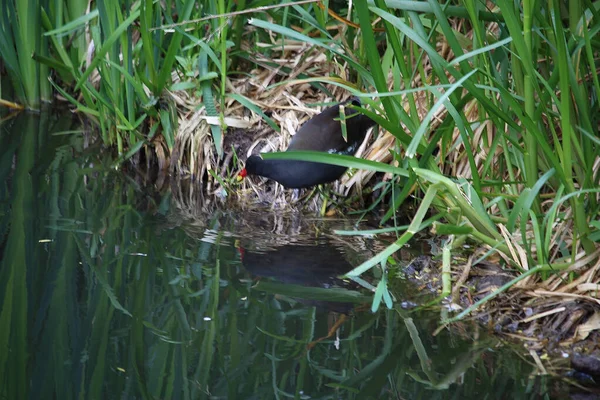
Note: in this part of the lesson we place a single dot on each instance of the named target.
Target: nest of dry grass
(289, 105)
(533, 306)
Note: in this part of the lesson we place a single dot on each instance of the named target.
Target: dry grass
(289, 105)
(289, 102)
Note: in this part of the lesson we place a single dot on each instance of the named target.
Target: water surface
(111, 288)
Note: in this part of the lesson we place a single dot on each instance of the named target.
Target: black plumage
(321, 133)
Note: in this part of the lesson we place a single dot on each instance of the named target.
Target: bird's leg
(328, 199)
(325, 198)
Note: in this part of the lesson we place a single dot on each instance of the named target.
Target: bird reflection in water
(306, 265)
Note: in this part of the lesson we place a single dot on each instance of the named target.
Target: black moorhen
(321, 133)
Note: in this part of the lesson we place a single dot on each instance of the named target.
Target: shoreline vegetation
(487, 119)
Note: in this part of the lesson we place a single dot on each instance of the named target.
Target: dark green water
(112, 290)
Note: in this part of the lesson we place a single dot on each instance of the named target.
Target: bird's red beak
(241, 250)
(243, 173)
